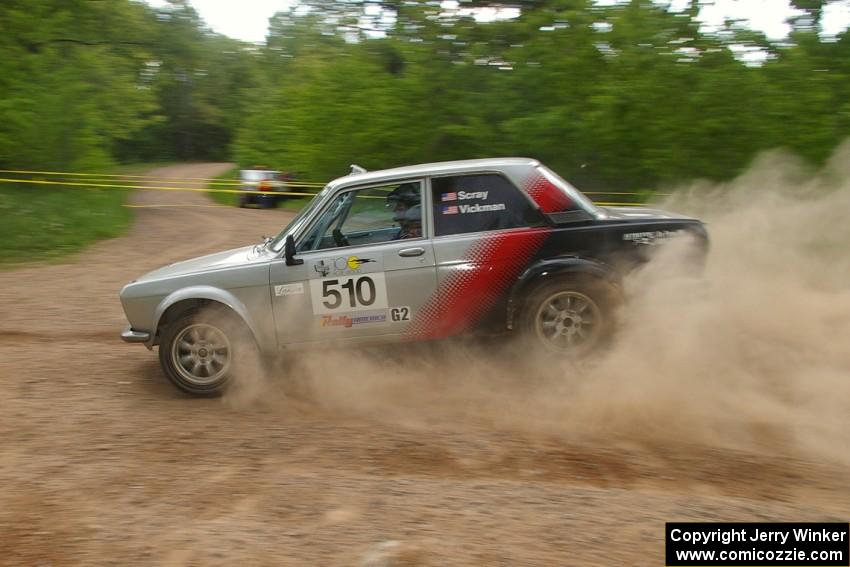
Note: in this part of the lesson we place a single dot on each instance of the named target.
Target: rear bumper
(258, 198)
(131, 336)
(258, 195)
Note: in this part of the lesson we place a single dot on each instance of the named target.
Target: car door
(486, 232)
(368, 268)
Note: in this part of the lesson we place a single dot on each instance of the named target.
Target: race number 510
(349, 293)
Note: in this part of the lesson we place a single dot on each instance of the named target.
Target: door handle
(410, 252)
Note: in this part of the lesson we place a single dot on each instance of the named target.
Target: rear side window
(476, 203)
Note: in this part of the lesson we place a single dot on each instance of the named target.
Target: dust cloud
(757, 354)
(754, 354)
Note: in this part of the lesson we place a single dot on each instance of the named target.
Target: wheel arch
(185, 300)
(545, 271)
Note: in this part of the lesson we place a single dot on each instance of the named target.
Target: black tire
(570, 316)
(243, 201)
(203, 350)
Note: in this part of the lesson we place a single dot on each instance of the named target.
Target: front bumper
(131, 336)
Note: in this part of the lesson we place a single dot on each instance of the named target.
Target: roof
(436, 168)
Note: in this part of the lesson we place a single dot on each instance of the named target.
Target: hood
(227, 259)
(641, 213)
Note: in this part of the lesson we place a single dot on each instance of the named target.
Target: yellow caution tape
(210, 182)
(193, 189)
(174, 205)
(149, 177)
(622, 193)
(217, 182)
(237, 191)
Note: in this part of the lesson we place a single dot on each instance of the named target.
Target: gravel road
(103, 462)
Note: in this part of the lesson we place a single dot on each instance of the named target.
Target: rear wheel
(200, 351)
(573, 317)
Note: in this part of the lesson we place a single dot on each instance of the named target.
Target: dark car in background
(260, 186)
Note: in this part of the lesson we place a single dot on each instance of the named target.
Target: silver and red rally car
(412, 253)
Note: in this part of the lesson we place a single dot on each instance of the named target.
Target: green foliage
(44, 222)
(85, 84)
(618, 97)
(615, 96)
(41, 223)
(69, 85)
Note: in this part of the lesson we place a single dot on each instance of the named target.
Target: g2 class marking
(398, 314)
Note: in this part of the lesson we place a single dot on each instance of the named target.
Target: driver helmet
(413, 214)
(406, 194)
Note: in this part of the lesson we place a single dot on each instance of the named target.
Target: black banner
(762, 544)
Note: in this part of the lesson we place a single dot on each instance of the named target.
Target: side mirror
(289, 252)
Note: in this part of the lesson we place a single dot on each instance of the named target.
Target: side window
(367, 216)
(475, 203)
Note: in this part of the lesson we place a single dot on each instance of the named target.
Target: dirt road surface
(103, 462)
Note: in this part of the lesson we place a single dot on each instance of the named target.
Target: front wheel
(198, 352)
(570, 317)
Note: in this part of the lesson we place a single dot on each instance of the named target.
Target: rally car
(413, 253)
(261, 187)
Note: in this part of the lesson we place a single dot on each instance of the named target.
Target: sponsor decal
(348, 321)
(464, 195)
(343, 294)
(342, 266)
(464, 209)
(321, 268)
(467, 209)
(289, 289)
(354, 262)
(650, 238)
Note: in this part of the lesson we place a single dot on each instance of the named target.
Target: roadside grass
(46, 222)
(232, 199)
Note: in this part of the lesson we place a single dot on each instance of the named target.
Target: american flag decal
(451, 210)
(449, 197)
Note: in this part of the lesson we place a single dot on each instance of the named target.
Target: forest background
(632, 96)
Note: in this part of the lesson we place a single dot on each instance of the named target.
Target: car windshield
(294, 224)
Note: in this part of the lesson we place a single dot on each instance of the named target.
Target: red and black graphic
(549, 197)
(489, 268)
